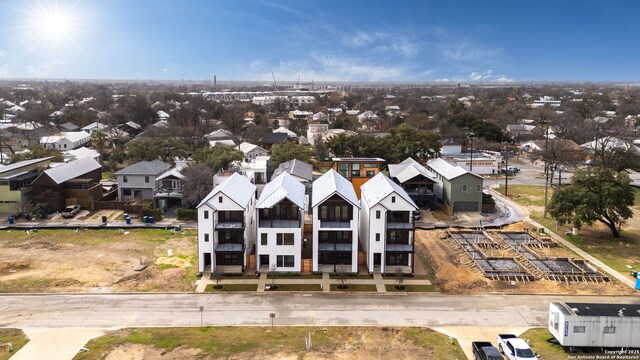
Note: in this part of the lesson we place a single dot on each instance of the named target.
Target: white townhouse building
(387, 226)
(336, 223)
(280, 218)
(226, 226)
(67, 140)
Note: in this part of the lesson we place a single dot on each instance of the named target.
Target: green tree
(36, 151)
(217, 157)
(288, 151)
(144, 149)
(40, 210)
(98, 139)
(598, 194)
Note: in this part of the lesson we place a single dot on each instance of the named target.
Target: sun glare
(53, 26)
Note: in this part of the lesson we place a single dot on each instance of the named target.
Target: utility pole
(471, 135)
(546, 122)
(506, 171)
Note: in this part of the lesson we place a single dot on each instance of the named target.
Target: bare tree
(399, 278)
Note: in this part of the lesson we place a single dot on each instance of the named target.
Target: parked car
(513, 169)
(70, 211)
(515, 348)
(484, 350)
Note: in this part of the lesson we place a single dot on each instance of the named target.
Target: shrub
(156, 213)
(40, 210)
(187, 214)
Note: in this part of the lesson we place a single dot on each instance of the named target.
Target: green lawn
(296, 287)
(411, 288)
(294, 276)
(550, 351)
(233, 287)
(597, 241)
(14, 336)
(265, 342)
(354, 287)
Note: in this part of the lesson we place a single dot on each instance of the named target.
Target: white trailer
(579, 325)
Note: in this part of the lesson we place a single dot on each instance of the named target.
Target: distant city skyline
(321, 41)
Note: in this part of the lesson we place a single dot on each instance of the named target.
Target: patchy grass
(297, 287)
(14, 336)
(596, 240)
(411, 288)
(549, 351)
(354, 287)
(294, 276)
(283, 342)
(36, 284)
(232, 287)
(351, 276)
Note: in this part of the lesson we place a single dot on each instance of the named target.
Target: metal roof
(246, 147)
(154, 167)
(281, 187)
(379, 187)
(21, 164)
(447, 170)
(236, 187)
(408, 169)
(72, 170)
(331, 183)
(295, 167)
(594, 309)
(176, 171)
(358, 159)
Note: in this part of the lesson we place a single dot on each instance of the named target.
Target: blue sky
(323, 40)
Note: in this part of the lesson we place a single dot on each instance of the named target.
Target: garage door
(465, 206)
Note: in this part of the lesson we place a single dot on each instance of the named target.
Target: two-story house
(387, 226)
(138, 181)
(416, 180)
(170, 187)
(251, 151)
(280, 218)
(336, 220)
(74, 183)
(15, 183)
(358, 170)
(457, 188)
(226, 226)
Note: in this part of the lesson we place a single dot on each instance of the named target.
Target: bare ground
(454, 277)
(68, 261)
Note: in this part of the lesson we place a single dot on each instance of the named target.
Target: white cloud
(362, 38)
(477, 76)
(468, 52)
(165, 70)
(443, 80)
(503, 78)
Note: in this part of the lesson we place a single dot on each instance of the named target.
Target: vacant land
(452, 276)
(96, 260)
(13, 336)
(268, 343)
(621, 254)
(550, 351)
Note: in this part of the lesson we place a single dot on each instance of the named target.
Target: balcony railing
(167, 192)
(399, 247)
(229, 226)
(325, 246)
(335, 224)
(230, 247)
(399, 225)
(279, 223)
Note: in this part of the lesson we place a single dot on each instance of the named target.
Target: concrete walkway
(325, 282)
(55, 344)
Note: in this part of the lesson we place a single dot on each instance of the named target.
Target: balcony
(399, 225)
(229, 247)
(395, 247)
(166, 192)
(328, 247)
(229, 226)
(335, 224)
(279, 223)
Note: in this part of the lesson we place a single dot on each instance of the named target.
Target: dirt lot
(96, 260)
(452, 276)
(278, 343)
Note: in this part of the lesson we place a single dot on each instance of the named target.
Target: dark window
(220, 199)
(146, 179)
(285, 239)
(371, 173)
(206, 214)
(377, 214)
(263, 239)
(579, 329)
(393, 199)
(126, 192)
(609, 329)
(377, 236)
(355, 170)
(285, 261)
(125, 179)
(206, 237)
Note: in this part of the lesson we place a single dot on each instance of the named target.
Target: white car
(515, 348)
(70, 211)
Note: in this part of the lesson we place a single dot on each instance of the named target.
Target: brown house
(358, 170)
(73, 183)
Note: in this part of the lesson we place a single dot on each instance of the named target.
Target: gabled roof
(134, 125)
(379, 187)
(284, 130)
(295, 167)
(95, 125)
(69, 126)
(236, 187)
(446, 170)
(331, 183)
(81, 153)
(246, 147)
(274, 138)
(72, 170)
(408, 169)
(282, 187)
(154, 167)
(176, 172)
(219, 134)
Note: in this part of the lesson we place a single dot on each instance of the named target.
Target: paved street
(115, 310)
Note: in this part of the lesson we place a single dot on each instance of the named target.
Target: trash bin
(638, 283)
(178, 227)
(127, 220)
(104, 219)
(151, 219)
(11, 220)
(145, 219)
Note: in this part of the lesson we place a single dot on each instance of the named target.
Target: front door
(207, 262)
(376, 259)
(264, 262)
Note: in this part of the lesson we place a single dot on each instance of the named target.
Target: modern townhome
(358, 170)
(169, 188)
(74, 183)
(301, 171)
(336, 223)
(387, 226)
(280, 218)
(15, 183)
(138, 181)
(460, 190)
(226, 226)
(416, 180)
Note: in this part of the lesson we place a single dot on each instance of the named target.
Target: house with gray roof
(16, 183)
(138, 181)
(336, 223)
(387, 228)
(301, 171)
(416, 180)
(226, 226)
(74, 183)
(457, 188)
